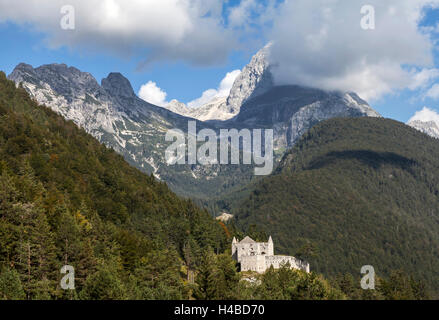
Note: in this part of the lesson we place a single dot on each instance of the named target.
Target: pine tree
(10, 285)
(227, 277)
(104, 284)
(206, 278)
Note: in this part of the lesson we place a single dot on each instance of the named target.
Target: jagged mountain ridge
(290, 110)
(113, 114)
(255, 79)
(293, 110)
(178, 107)
(216, 109)
(256, 101)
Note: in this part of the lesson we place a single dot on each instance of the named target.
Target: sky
(192, 50)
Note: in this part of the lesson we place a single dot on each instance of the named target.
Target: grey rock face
(216, 109)
(255, 100)
(292, 110)
(116, 84)
(178, 107)
(112, 112)
(255, 79)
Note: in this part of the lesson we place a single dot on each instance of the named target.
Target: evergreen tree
(104, 284)
(227, 277)
(10, 285)
(206, 278)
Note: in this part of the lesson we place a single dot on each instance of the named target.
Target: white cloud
(206, 97)
(426, 115)
(223, 90)
(243, 14)
(189, 30)
(227, 83)
(321, 44)
(423, 78)
(433, 92)
(151, 93)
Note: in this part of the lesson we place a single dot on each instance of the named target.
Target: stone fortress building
(259, 256)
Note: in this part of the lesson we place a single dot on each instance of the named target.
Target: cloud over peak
(322, 44)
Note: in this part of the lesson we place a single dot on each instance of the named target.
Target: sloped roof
(247, 240)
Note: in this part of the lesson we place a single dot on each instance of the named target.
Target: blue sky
(220, 37)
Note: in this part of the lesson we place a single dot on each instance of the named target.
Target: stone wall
(279, 261)
(252, 249)
(253, 263)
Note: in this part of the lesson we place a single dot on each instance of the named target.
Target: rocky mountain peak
(430, 128)
(177, 107)
(175, 104)
(23, 72)
(255, 79)
(63, 80)
(23, 67)
(116, 84)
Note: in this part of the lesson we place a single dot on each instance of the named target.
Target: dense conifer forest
(353, 192)
(66, 199)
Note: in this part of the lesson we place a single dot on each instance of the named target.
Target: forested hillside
(66, 199)
(354, 192)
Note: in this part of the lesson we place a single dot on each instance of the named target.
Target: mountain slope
(112, 112)
(293, 110)
(216, 109)
(114, 115)
(355, 192)
(67, 199)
